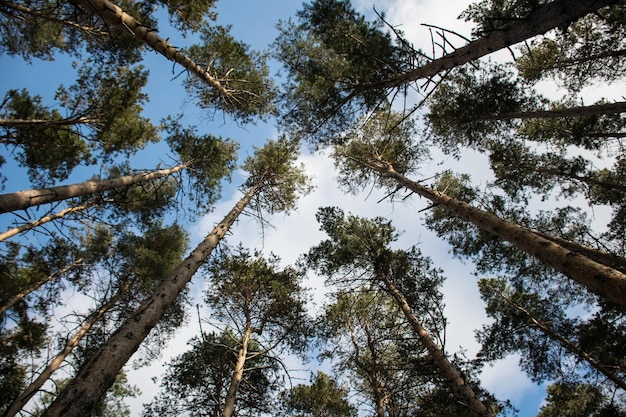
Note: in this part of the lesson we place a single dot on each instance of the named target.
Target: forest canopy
(321, 209)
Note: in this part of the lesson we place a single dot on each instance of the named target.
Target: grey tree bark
(29, 198)
(99, 372)
(601, 279)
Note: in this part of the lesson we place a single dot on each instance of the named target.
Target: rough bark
(19, 403)
(599, 256)
(99, 372)
(603, 280)
(451, 373)
(592, 110)
(554, 14)
(242, 355)
(22, 294)
(567, 344)
(115, 16)
(29, 198)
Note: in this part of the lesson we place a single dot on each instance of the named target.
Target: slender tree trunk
(99, 372)
(611, 186)
(29, 198)
(566, 343)
(380, 396)
(242, 355)
(451, 373)
(22, 294)
(48, 123)
(603, 280)
(114, 15)
(19, 403)
(555, 14)
(594, 109)
(46, 219)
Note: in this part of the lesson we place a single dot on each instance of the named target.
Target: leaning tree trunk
(114, 15)
(567, 344)
(590, 181)
(22, 294)
(45, 219)
(579, 111)
(19, 403)
(29, 198)
(555, 14)
(99, 372)
(601, 279)
(454, 377)
(599, 256)
(242, 355)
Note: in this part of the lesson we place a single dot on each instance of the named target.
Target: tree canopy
(141, 140)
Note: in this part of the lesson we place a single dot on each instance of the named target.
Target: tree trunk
(19, 403)
(29, 198)
(47, 123)
(567, 344)
(603, 280)
(594, 109)
(380, 396)
(599, 256)
(611, 186)
(22, 294)
(46, 219)
(115, 16)
(99, 372)
(451, 373)
(231, 396)
(554, 14)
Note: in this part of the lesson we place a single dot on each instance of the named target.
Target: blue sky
(254, 23)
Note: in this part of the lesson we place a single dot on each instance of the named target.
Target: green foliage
(250, 291)
(591, 132)
(211, 160)
(464, 109)
(590, 50)
(242, 72)
(113, 99)
(579, 400)
(185, 15)
(111, 405)
(146, 203)
(282, 182)
(334, 58)
(49, 152)
(363, 326)
(533, 325)
(493, 15)
(322, 398)
(105, 121)
(520, 172)
(39, 29)
(196, 382)
(13, 379)
(384, 137)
